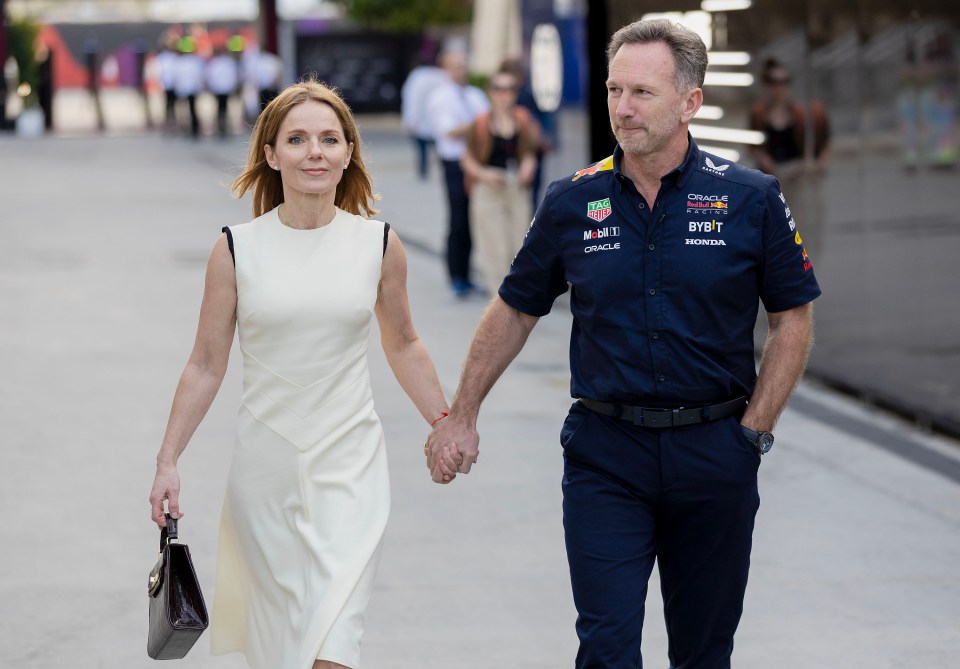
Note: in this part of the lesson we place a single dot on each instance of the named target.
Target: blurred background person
(789, 151)
(188, 81)
(452, 107)
(500, 163)
(45, 83)
(249, 88)
(548, 128)
(268, 74)
(908, 119)
(222, 77)
(166, 69)
(784, 124)
(414, 93)
(939, 95)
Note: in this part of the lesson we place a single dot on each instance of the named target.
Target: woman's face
(777, 83)
(310, 151)
(502, 90)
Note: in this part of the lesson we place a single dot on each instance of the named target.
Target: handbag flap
(167, 534)
(155, 582)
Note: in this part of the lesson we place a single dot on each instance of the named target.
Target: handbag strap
(168, 533)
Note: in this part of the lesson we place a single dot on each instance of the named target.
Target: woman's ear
(271, 156)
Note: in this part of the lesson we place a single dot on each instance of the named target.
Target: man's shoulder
(477, 99)
(443, 90)
(423, 76)
(599, 174)
(715, 171)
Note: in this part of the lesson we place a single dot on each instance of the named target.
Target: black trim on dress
(230, 244)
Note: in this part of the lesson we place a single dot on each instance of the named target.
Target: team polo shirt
(664, 300)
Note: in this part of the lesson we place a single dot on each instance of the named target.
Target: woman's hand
(166, 486)
(527, 170)
(493, 178)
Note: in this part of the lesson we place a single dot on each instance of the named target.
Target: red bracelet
(442, 416)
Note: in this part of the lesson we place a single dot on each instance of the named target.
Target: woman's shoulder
(372, 224)
(365, 232)
(251, 227)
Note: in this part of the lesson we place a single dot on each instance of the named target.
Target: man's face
(646, 111)
(456, 66)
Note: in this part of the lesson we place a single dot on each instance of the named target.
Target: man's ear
(691, 105)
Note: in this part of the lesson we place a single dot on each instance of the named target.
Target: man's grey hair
(689, 51)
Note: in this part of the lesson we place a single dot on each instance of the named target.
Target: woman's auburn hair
(355, 190)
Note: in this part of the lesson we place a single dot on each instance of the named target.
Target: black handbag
(178, 614)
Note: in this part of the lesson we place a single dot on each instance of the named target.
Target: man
(416, 89)
(167, 66)
(667, 251)
(188, 81)
(451, 108)
(223, 79)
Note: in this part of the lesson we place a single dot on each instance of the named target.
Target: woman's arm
(473, 167)
(531, 139)
(201, 377)
(406, 353)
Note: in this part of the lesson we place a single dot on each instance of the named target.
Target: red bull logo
(696, 204)
(602, 166)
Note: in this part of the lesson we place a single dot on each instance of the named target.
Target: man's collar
(677, 176)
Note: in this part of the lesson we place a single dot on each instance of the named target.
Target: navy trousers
(459, 243)
(685, 497)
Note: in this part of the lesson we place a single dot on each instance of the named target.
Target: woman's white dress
(307, 495)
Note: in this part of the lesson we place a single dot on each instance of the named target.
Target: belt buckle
(656, 417)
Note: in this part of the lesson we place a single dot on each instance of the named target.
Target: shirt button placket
(653, 311)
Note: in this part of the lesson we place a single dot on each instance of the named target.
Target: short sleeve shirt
(664, 301)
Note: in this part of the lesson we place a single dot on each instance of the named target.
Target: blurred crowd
(188, 65)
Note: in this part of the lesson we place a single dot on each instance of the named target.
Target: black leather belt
(660, 418)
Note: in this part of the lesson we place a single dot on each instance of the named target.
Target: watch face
(764, 442)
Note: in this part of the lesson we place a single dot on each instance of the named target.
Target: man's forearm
(500, 336)
(784, 359)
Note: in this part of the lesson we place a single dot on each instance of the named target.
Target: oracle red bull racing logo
(707, 204)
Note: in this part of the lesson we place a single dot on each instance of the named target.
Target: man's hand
(451, 448)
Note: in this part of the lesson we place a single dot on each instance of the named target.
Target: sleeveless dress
(307, 495)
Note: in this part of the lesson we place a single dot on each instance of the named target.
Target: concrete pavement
(102, 249)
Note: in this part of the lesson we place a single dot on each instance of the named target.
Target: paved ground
(101, 265)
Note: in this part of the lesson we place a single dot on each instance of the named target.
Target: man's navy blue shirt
(664, 301)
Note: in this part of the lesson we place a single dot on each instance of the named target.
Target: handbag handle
(168, 533)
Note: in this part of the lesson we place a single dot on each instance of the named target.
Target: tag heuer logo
(599, 209)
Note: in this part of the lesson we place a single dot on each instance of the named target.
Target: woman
(790, 152)
(784, 124)
(307, 493)
(500, 164)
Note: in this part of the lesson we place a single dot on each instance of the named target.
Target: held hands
(166, 486)
(451, 448)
